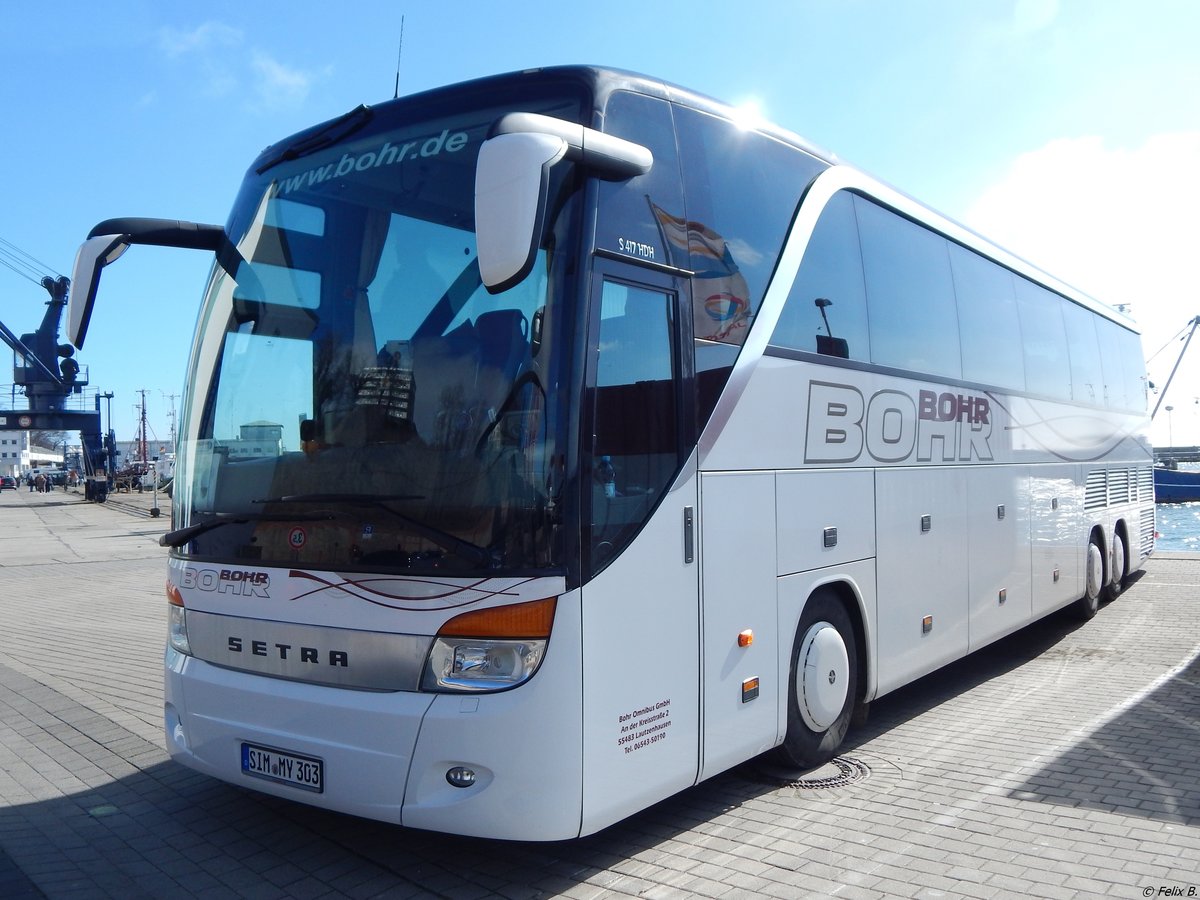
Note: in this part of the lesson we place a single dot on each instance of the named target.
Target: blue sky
(1067, 130)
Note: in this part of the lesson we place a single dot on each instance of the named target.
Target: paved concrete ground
(1062, 762)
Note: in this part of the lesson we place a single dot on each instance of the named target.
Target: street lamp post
(1170, 424)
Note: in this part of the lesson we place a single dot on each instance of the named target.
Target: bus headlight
(471, 664)
(177, 635)
(489, 649)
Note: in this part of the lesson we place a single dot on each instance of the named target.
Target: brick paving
(1061, 762)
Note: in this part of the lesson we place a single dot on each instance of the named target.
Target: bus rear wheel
(1117, 583)
(823, 685)
(1087, 605)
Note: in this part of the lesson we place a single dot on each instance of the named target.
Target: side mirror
(511, 180)
(94, 254)
(112, 237)
(512, 177)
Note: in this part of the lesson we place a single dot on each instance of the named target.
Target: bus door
(639, 594)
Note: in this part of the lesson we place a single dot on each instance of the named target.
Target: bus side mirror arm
(112, 237)
(512, 178)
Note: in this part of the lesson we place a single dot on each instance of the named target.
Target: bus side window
(987, 319)
(914, 315)
(1087, 376)
(1124, 369)
(831, 271)
(1043, 337)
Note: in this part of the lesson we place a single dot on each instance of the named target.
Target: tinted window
(355, 354)
(1087, 376)
(831, 272)
(1133, 368)
(1044, 339)
(635, 443)
(987, 320)
(742, 191)
(1121, 362)
(626, 222)
(910, 293)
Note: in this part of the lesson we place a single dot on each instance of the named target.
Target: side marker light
(749, 689)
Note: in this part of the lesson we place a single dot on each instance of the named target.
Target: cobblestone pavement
(1061, 762)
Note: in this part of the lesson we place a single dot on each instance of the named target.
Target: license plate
(305, 772)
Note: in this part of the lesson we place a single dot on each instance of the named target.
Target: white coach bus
(551, 443)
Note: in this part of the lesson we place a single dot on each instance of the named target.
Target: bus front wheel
(823, 685)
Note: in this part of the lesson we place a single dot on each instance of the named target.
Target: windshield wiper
(181, 536)
(323, 137)
(472, 553)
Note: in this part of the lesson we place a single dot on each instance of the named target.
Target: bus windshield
(356, 397)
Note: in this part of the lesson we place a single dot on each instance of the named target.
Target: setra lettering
(284, 652)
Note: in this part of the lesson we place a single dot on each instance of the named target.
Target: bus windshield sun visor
(512, 178)
(112, 237)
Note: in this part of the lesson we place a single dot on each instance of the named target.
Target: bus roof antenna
(399, 50)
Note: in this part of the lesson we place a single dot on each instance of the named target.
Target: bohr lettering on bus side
(892, 426)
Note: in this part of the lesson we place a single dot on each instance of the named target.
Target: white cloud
(1119, 223)
(205, 52)
(218, 71)
(215, 78)
(175, 42)
(277, 85)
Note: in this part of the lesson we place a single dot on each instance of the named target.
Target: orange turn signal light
(746, 638)
(173, 596)
(518, 620)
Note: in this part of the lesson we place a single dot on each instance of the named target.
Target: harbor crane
(49, 375)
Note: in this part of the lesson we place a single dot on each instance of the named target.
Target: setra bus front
(372, 589)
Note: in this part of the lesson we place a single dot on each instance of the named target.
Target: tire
(1087, 606)
(1117, 566)
(823, 684)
